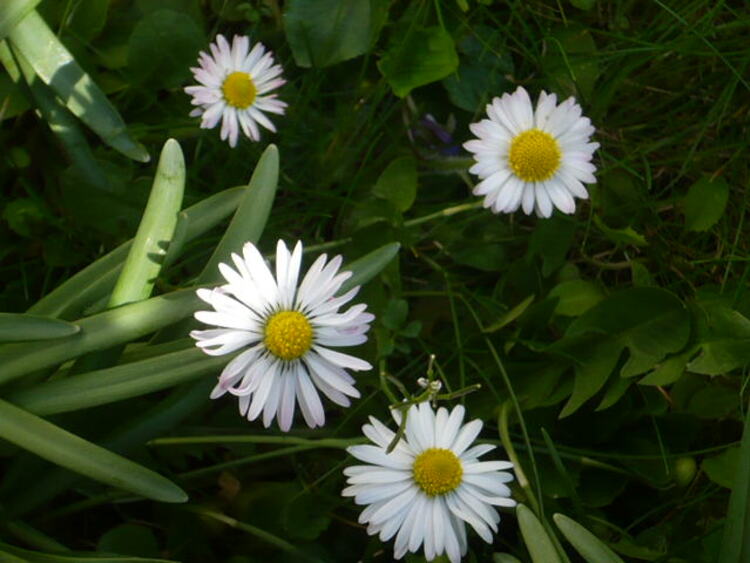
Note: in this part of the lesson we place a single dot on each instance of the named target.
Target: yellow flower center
(239, 90)
(288, 335)
(437, 471)
(534, 155)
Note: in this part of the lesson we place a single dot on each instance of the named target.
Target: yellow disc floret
(288, 335)
(534, 155)
(239, 90)
(437, 471)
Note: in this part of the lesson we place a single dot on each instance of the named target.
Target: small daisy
(535, 159)
(430, 484)
(235, 85)
(287, 330)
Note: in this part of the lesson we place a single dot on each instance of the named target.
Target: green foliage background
(622, 333)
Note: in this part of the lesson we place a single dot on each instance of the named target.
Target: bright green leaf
(368, 266)
(12, 12)
(420, 57)
(704, 203)
(591, 548)
(540, 546)
(18, 328)
(398, 183)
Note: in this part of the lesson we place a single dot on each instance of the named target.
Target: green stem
(340, 443)
(447, 212)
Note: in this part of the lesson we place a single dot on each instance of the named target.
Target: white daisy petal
(424, 493)
(531, 157)
(236, 85)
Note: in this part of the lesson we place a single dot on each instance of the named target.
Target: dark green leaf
(18, 328)
(398, 183)
(704, 203)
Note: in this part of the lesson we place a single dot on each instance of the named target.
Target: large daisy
(430, 484)
(287, 331)
(235, 85)
(533, 158)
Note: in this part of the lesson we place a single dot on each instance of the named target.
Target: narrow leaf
(250, 219)
(511, 315)
(540, 546)
(115, 384)
(12, 12)
(735, 547)
(68, 450)
(591, 548)
(16, 327)
(111, 328)
(96, 280)
(155, 230)
(55, 65)
(368, 266)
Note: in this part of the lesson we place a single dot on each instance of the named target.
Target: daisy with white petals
(235, 87)
(430, 484)
(533, 158)
(287, 330)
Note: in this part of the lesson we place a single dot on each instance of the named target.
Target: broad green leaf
(15, 327)
(104, 386)
(576, 297)
(723, 336)
(668, 370)
(735, 547)
(591, 548)
(60, 121)
(56, 67)
(162, 48)
(722, 468)
(326, 32)
(595, 360)
(111, 328)
(12, 12)
(704, 203)
(398, 183)
(250, 218)
(94, 282)
(88, 18)
(628, 235)
(551, 240)
(718, 357)
(68, 450)
(368, 266)
(540, 546)
(571, 61)
(421, 56)
(511, 315)
(150, 244)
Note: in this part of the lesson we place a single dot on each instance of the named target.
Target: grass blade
(155, 230)
(16, 327)
(250, 219)
(93, 282)
(12, 12)
(736, 542)
(115, 384)
(98, 332)
(591, 548)
(54, 64)
(68, 450)
(540, 546)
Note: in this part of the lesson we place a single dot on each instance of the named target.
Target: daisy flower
(533, 158)
(287, 331)
(235, 85)
(430, 484)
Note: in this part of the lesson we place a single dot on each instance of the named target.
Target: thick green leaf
(540, 546)
(704, 203)
(398, 183)
(16, 327)
(591, 548)
(144, 261)
(735, 547)
(57, 68)
(12, 12)
(250, 219)
(368, 266)
(111, 328)
(96, 280)
(326, 32)
(422, 56)
(117, 383)
(163, 46)
(576, 297)
(68, 450)
(60, 121)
